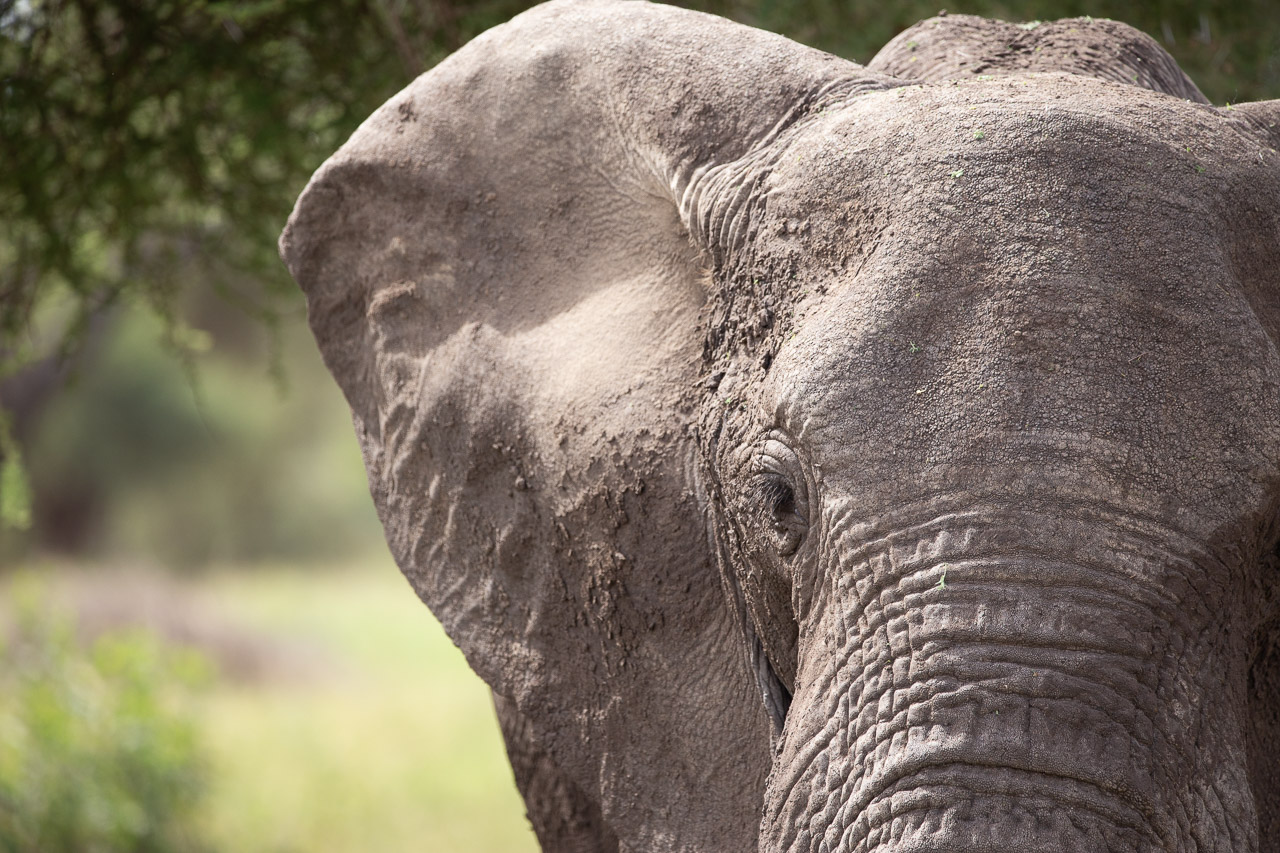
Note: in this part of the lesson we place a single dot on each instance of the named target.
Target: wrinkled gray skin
(823, 458)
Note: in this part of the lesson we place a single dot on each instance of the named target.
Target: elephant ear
(499, 272)
(1263, 118)
(957, 46)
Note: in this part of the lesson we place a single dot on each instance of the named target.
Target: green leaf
(15, 491)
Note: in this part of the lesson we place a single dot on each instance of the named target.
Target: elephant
(822, 457)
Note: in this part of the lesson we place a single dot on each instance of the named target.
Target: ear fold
(1263, 118)
(958, 46)
(500, 275)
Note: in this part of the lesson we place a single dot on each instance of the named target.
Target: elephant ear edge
(1263, 119)
(500, 275)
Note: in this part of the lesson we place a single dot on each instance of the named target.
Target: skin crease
(819, 458)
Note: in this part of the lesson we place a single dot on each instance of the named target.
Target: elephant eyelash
(775, 493)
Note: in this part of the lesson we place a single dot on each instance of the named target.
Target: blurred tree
(154, 147)
(138, 460)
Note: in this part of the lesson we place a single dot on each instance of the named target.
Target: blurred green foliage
(155, 145)
(15, 491)
(384, 741)
(97, 749)
(141, 460)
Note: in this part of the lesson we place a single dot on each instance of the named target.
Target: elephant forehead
(1009, 147)
(1048, 289)
(1044, 285)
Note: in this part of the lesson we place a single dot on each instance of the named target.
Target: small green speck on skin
(978, 134)
(942, 581)
(913, 45)
(1199, 169)
(1029, 25)
(913, 347)
(956, 173)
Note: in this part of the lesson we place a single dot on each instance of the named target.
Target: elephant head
(817, 457)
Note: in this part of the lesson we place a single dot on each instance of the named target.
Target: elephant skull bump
(828, 458)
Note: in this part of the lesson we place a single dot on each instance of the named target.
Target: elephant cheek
(992, 711)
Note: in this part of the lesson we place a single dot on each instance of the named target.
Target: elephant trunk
(971, 702)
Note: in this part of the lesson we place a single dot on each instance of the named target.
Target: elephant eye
(776, 494)
(776, 497)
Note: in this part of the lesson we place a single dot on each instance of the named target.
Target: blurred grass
(394, 746)
(361, 729)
